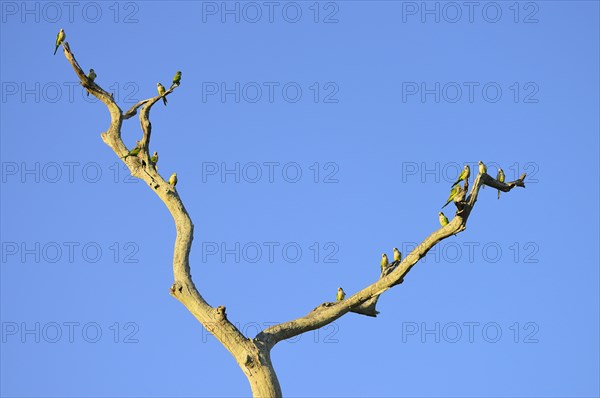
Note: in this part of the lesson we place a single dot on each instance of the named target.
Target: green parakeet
(92, 77)
(161, 92)
(173, 179)
(482, 167)
(134, 151)
(455, 191)
(60, 37)
(464, 174)
(397, 256)
(443, 219)
(154, 158)
(384, 262)
(341, 295)
(500, 177)
(177, 79)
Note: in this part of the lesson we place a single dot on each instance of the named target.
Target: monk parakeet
(482, 167)
(134, 151)
(464, 174)
(161, 92)
(340, 294)
(453, 193)
(92, 77)
(177, 79)
(154, 158)
(384, 262)
(397, 256)
(173, 179)
(60, 37)
(500, 177)
(443, 219)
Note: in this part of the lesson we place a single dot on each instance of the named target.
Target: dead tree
(253, 354)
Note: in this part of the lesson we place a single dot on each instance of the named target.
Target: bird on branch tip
(341, 295)
(60, 37)
(482, 169)
(177, 79)
(92, 77)
(173, 179)
(443, 219)
(464, 174)
(161, 92)
(500, 177)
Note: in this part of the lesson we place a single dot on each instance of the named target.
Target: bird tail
(447, 203)
(55, 49)
(498, 194)
(165, 101)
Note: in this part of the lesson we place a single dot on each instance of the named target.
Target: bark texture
(253, 355)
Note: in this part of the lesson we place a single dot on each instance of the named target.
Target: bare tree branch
(364, 301)
(253, 356)
(256, 364)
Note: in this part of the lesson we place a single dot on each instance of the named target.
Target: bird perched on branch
(177, 79)
(173, 179)
(464, 174)
(92, 77)
(443, 219)
(154, 158)
(500, 177)
(341, 295)
(60, 37)
(384, 262)
(456, 190)
(397, 257)
(161, 92)
(134, 151)
(482, 167)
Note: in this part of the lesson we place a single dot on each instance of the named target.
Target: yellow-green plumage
(464, 174)
(60, 37)
(443, 219)
(177, 79)
(154, 158)
(134, 151)
(384, 262)
(161, 92)
(173, 179)
(397, 255)
(482, 167)
(341, 295)
(455, 191)
(500, 177)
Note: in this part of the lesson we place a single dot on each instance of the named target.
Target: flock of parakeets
(457, 194)
(60, 38)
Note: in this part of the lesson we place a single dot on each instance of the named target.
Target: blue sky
(308, 139)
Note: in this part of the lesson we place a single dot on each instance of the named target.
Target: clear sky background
(378, 105)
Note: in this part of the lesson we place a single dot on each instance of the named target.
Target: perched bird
(60, 37)
(384, 262)
(340, 294)
(134, 151)
(177, 79)
(161, 92)
(443, 219)
(482, 167)
(173, 179)
(464, 175)
(154, 158)
(500, 177)
(453, 194)
(397, 256)
(92, 77)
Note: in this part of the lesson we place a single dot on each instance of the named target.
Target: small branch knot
(249, 363)
(221, 314)
(176, 289)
